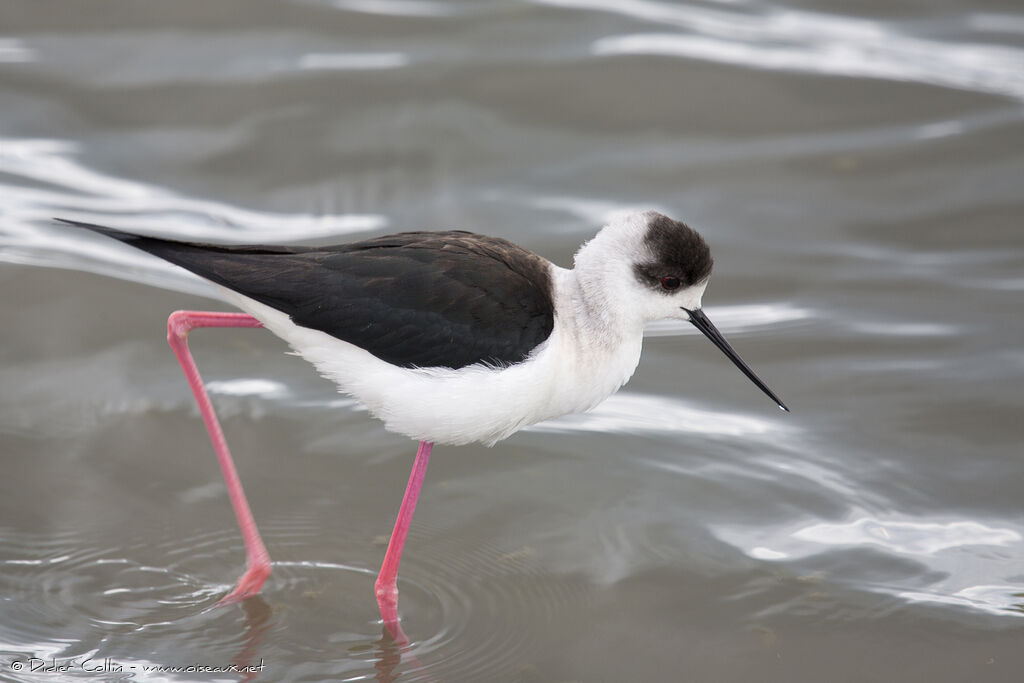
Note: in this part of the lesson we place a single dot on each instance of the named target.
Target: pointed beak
(701, 322)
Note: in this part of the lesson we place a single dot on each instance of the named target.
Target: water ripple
(49, 182)
(915, 538)
(631, 413)
(401, 8)
(353, 61)
(69, 597)
(496, 592)
(811, 42)
(962, 562)
(14, 50)
(1001, 600)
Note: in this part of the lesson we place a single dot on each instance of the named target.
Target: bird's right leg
(179, 324)
(386, 587)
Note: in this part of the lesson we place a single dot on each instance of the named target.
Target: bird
(447, 337)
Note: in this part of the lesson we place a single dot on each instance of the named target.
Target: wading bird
(447, 337)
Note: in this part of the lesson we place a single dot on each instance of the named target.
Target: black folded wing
(425, 299)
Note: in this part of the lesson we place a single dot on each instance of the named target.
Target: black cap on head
(678, 251)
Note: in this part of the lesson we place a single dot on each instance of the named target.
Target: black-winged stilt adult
(447, 337)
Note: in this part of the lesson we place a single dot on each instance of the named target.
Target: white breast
(572, 371)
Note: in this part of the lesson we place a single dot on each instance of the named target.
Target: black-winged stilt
(448, 337)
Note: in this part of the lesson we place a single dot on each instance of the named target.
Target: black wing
(424, 299)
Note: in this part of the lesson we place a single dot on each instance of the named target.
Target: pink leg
(387, 581)
(257, 559)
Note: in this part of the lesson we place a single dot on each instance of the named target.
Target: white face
(669, 303)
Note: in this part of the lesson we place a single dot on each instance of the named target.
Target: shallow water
(857, 173)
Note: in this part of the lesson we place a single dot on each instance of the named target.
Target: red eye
(668, 282)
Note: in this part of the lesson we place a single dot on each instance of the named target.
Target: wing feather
(417, 299)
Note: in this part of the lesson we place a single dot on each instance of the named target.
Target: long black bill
(701, 322)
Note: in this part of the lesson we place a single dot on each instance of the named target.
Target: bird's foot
(249, 584)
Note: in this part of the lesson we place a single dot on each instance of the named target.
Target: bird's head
(646, 266)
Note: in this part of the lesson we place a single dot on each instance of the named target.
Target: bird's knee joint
(178, 325)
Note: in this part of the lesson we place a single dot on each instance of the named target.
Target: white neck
(606, 301)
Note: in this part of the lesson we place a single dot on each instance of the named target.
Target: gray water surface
(857, 170)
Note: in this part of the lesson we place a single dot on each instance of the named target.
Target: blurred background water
(857, 169)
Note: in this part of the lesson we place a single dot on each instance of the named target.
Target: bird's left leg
(179, 324)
